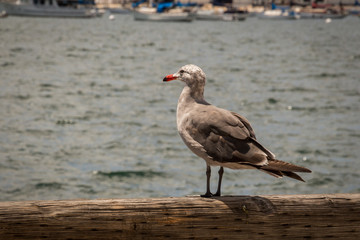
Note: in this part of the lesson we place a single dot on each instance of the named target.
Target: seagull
(221, 137)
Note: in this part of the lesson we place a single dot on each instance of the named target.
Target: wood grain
(228, 217)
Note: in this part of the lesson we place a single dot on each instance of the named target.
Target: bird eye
(182, 71)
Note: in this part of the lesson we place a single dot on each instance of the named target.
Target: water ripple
(83, 105)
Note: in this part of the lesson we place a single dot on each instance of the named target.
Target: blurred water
(85, 114)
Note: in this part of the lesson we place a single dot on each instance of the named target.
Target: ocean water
(84, 112)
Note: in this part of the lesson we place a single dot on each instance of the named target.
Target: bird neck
(186, 102)
(195, 92)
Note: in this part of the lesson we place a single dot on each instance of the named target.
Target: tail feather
(280, 174)
(293, 175)
(273, 173)
(284, 166)
(279, 169)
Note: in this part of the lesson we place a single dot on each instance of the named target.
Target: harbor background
(85, 114)
(238, 2)
(235, 3)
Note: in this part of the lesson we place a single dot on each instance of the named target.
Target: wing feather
(228, 138)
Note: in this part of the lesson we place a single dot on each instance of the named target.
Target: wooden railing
(229, 217)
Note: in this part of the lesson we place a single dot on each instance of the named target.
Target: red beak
(169, 78)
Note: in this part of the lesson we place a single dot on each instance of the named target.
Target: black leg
(208, 175)
(221, 172)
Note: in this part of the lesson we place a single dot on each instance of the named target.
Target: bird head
(191, 74)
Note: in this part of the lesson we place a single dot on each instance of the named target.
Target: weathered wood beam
(228, 217)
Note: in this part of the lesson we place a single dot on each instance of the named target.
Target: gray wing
(228, 137)
(246, 124)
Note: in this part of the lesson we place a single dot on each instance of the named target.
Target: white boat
(172, 16)
(45, 8)
(211, 15)
(234, 15)
(278, 14)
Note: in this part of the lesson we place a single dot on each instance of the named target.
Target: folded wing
(228, 137)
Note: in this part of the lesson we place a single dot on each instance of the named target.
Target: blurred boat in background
(220, 13)
(151, 15)
(48, 8)
(279, 13)
(165, 11)
(322, 12)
